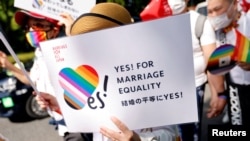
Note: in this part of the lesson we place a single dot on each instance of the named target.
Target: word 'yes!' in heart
(78, 85)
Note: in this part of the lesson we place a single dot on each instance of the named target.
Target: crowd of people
(223, 16)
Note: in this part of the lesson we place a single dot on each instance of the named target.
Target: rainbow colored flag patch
(242, 48)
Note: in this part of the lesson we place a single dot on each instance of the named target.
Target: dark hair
(194, 2)
(62, 32)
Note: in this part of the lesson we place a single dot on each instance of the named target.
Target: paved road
(40, 130)
(34, 130)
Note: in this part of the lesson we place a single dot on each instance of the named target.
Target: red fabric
(21, 17)
(53, 21)
(156, 9)
(245, 5)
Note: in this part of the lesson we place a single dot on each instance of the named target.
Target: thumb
(2, 54)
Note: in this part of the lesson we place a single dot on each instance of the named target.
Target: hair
(229, 1)
(62, 32)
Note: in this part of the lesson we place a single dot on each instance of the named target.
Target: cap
(21, 17)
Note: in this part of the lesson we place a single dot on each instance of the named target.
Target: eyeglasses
(38, 25)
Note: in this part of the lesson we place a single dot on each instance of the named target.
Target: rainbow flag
(242, 48)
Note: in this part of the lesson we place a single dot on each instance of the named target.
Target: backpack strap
(199, 25)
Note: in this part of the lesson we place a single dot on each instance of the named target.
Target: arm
(215, 82)
(216, 85)
(67, 21)
(124, 135)
(18, 73)
(46, 100)
(217, 102)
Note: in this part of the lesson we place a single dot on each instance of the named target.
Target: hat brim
(22, 16)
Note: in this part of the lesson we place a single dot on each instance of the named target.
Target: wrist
(223, 95)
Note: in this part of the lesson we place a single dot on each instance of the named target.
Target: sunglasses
(38, 25)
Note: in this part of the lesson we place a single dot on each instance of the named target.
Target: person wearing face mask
(225, 16)
(40, 28)
(102, 16)
(202, 49)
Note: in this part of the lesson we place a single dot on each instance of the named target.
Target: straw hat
(101, 16)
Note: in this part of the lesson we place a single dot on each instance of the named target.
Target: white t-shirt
(40, 76)
(207, 37)
(238, 75)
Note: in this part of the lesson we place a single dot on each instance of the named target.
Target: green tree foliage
(10, 29)
(15, 34)
(121, 2)
(135, 7)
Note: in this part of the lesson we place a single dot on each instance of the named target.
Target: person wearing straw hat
(41, 28)
(102, 16)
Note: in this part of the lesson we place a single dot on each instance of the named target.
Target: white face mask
(222, 20)
(177, 6)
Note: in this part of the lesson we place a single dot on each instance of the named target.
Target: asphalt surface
(30, 130)
(40, 130)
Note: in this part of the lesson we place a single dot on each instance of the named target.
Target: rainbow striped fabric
(220, 61)
(78, 85)
(242, 48)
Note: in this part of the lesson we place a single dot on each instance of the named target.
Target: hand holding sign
(13, 54)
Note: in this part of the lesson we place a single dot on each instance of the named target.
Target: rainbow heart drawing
(78, 85)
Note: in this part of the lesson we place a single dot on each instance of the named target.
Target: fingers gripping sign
(123, 135)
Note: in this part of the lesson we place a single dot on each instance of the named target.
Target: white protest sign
(52, 8)
(141, 73)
